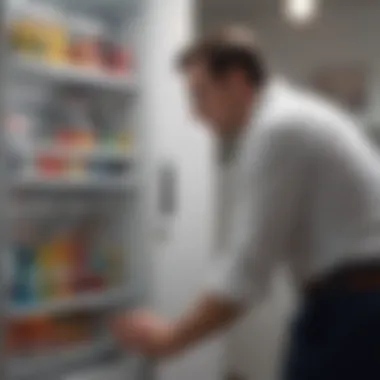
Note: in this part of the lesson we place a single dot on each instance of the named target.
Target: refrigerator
(71, 164)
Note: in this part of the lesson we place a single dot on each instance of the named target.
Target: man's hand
(145, 333)
(150, 335)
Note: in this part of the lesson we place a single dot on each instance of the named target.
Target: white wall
(180, 247)
(346, 31)
(343, 33)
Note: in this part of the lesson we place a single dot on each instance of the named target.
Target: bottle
(85, 43)
(115, 267)
(24, 290)
(40, 332)
(61, 263)
(77, 129)
(85, 278)
(25, 32)
(79, 259)
(97, 268)
(44, 275)
(56, 36)
(45, 261)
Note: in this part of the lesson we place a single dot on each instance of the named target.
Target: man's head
(224, 73)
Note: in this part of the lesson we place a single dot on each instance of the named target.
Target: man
(307, 195)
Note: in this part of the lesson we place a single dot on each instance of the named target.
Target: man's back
(338, 211)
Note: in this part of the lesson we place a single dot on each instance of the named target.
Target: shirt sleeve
(267, 210)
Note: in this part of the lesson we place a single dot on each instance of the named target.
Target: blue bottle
(23, 292)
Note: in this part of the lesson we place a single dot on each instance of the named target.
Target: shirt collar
(229, 149)
(275, 86)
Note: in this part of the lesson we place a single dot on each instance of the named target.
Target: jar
(55, 35)
(76, 128)
(85, 36)
(39, 30)
(25, 31)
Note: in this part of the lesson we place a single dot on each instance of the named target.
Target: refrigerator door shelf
(39, 70)
(49, 364)
(126, 370)
(84, 302)
(102, 154)
(88, 183)
(101, 7)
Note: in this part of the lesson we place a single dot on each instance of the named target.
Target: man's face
(214, 99)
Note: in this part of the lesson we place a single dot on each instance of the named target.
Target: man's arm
(156, 337)
(264, 221)
(208, 316)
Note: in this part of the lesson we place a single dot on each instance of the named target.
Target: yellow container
(40, 31)
(57, 43)
(62, 267)
(26, 37)
(45, 259)
(55, 266)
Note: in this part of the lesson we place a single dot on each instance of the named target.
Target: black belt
(357, 277)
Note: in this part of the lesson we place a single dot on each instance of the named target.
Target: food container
(85, 36)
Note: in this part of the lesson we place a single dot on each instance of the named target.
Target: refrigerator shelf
(102, 153)
(73, 75)
(34, 366)
(125, 369)
(50, 188)
(116, 5)
(83, 302)
(40, 183)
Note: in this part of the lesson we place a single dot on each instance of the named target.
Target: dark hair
(228, 49)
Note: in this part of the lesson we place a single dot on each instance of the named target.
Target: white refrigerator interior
(72, 156)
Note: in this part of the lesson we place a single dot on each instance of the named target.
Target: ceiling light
(301, 11)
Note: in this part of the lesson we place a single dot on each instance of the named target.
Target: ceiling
(214, 13)
(265, 5)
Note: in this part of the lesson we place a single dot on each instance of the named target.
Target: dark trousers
(336, 336)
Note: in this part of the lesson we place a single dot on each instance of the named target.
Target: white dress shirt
(306, 194)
